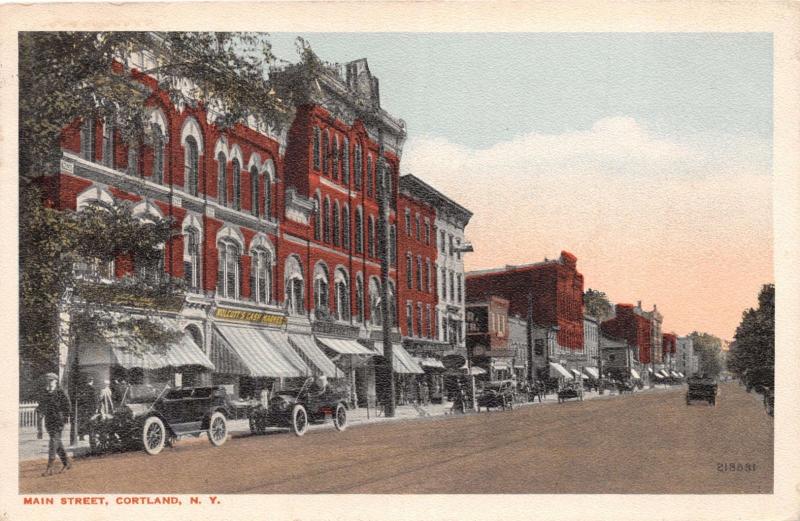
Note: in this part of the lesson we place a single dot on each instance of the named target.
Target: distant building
(684, 356)
(636, 330)
(591, 340)
(519, 344)
(669, 346)
(487, 337)
(617, 358)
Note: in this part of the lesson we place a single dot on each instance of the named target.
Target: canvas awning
(635, 374)
(263, 353)
(344, 346)
(403, 362)
(665, 374)
(592, 372)
(675, 374)
(185, 352)
(308, 347)
(659, 376)
(558, 371)
(430, 363)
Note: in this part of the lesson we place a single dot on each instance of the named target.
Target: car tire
(340, 417)
(154, 435)
(217, 429)
(299, 420)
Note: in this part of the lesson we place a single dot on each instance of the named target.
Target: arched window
(326, 215)
(88, 140)
(237, 187)
(325, 153)
(408, 222)
(392, 245)
(222, 179)
(293, 284)
(428, 275)
(261, 275)
(321, 297)
(228, 268)
(419, 273)
(346, 162)
(158, 154)
(409, 270)
(357, 166)
(335, 154)
(267, 196)
(191, 163)
(375, 301)
(359, 298)
(346, 226)
(409, 319)
(317, 137)
(369, 175)
(342, 295)
(337, 224)
(191, 258)
(317, 218)
(359, 231)
(371, 236)
(255, 208)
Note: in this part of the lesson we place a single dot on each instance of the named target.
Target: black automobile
(702, 388)
(150, 417)
(497, 394)
(297, 407)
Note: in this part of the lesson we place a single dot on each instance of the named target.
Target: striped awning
(659, 376)
(308, 347)
(183, 353)
(403, 362)
(429, 363)
(262, 352)
(675, 374)
(558, 370)
(344, 346)
(635, 374)
(592, 372)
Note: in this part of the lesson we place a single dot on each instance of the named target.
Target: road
(642, 443)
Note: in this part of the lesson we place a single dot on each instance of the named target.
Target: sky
(647, 155)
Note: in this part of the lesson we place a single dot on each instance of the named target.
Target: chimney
(639, 304)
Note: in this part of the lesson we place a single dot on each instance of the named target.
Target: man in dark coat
(54, 408)
(87, 405)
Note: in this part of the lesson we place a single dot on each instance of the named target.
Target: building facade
(488, 337)
(591, 345)
(635, 330)
(520, 345)
(684, 359)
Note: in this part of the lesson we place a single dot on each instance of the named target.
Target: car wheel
(217, 429)
(340, 417)
(299, 420)
(154, 434)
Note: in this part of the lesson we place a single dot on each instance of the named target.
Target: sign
(255, 317)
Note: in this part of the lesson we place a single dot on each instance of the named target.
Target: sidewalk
(32, 449)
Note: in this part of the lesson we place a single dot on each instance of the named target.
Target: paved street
(642, 443)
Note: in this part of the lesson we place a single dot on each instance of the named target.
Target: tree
(597, 304)
(708, 348)
(754, 345)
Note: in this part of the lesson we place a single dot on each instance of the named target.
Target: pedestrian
(87, 398)
(53, 411)
(106, 401)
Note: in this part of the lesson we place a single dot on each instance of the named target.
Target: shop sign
(255, 317)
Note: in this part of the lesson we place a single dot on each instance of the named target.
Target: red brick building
(488, 337)
(553, 290)
(631, 327)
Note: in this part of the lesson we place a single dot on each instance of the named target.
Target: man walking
(53, 412)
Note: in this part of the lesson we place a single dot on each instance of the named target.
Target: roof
(418, 188)
(564, 259)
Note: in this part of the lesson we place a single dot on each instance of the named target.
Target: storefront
(407, 373)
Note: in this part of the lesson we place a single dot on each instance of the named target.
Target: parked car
(703, 389)
(296, 408)
(150, 417)
(570, 391)
(498, 394)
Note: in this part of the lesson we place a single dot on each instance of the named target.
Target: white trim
(147, 208)
(255, 161)
(292, 268)
(191, 221)
(268, 168)
(222, 146)
(262, 241)
(330, 184)
(236, 153)
(231, 232)
(191, 127)
(340, 274)
(157, 117)
(321, 271)
(93, 194)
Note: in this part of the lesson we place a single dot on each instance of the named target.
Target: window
(359, 231)
(443, 295)
(317, 136)
(321, 298)
(317, 218)
(254, 206)
(420, 320)
(427, 231)
(429, 323)
(459, 289)
(436, 334)
(371, 236)
(149, 269)
(392, 245)
(408, 222)
(428, 275)
(337, 224)
(346, 162)
(267, 196)
(88, 140)
(325, 153)
(443, 246)
(335, 170)
(228, 269)
(409, 271)
(190, 165)
(391, 307)
(369, 175)
(94, 269)
(458, 249)
(237, 187)
(108, 144)
(191, 259)
(419, 273)
(342, 296)
(538, 348)
(419, 227)
(409, 319)
(435, 282)
(133, 160)
(452, 287)
(375, 302)
(261, 276)
(222, 179)
(346, 227)
(326, 216)
(158, 155)
(359, 299)
(450, 244)
(358, 167)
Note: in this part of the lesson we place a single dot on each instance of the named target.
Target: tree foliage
(596, 304)
(754, 345)
(708, 348)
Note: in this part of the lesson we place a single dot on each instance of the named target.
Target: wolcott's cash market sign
(253, 317)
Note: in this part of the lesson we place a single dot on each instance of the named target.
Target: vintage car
(570, 391)
(702, 388)
(150, 417)
(296, 408)
(498, 394)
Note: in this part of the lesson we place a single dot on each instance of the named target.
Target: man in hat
(53, 412)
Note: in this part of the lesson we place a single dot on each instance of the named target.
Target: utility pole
(529, 329)
(384, 199)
